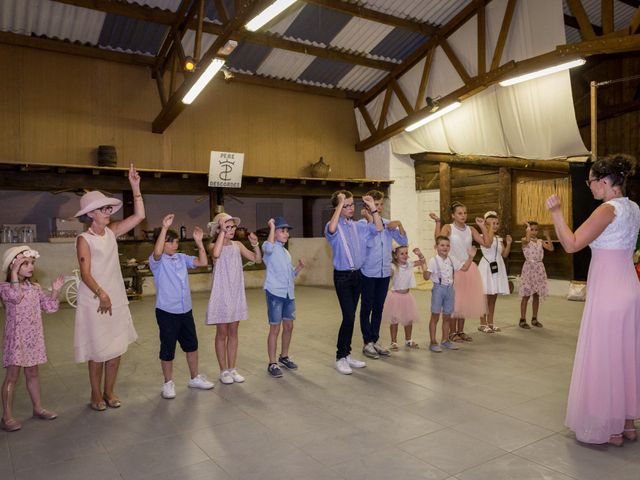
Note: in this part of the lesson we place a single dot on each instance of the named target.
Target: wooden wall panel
(61, 107)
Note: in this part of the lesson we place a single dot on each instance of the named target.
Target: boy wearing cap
(173, 304)
(278, 285)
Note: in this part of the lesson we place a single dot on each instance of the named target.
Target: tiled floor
(493, 410)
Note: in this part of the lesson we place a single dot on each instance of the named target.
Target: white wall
(428, 201)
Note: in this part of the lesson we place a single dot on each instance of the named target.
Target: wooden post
(594, 120)
(216, 202)
(445, 191)
(504, 199)
(307, 216)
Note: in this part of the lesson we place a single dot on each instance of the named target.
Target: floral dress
(533, 278)
(23, 333)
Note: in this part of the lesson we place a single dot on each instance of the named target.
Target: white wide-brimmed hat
(96, 199)
(214, 225)
(12, 253)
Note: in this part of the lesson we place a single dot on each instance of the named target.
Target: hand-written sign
(225, 169)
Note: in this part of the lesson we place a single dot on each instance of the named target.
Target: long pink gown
(605, 385)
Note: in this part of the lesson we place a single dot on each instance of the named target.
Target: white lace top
(622, 232)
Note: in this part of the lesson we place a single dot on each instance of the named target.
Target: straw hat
(10, 254)
(214, 225)
(96, 199)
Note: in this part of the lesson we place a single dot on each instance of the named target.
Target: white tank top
(403, 277)
(461, 241)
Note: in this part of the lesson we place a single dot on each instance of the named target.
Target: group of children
(365, 262)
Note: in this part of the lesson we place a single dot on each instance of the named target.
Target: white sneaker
(201, 382)
(236, 376)
(226, 378)
(169, 390)
(343, 367)
(353, 363)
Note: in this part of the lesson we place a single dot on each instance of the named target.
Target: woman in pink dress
(23, 345)
(228, 304)
(604, 397)
(104, 327)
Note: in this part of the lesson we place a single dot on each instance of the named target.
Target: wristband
(254, 245)
(373, 211)
(138, 195)
(14, 283)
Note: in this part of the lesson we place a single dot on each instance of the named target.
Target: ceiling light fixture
(213, 68)
(268, 14)
(543, 72)
(431, 117)
(189, 64)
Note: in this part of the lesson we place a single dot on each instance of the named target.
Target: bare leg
(192, 362)
(167, 369)
(222, 333)
(11, 378)
(33, 387)
(232, 344)
(272, 342)
(523, 307)
(491, 307)
(408, 329)
(393, 329)
(460, 325)
(535, 304)
(433, 323)
(287, 331)
(110, 374)
(95, 379)
(446, 328)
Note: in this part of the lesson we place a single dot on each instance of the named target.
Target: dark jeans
(347, 284)
(374, 293)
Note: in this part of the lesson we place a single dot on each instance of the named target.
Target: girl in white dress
(493, 270)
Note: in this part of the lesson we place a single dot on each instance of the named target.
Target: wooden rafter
(222, 11)
(455, 61)
(376, 16)
(606, 14)
(164, 17)
(586, 29)
(504, 33)
(482, 40)
(635, 22)
(367, 119)
(397, 89)
(424, 80)
(174, 37)
(570, 21)
(385, 107)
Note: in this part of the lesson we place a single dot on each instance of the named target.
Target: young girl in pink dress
(228, 303)
(23, 333)
(604, 397)
(400, 306)
(533, 279)
(469, 292)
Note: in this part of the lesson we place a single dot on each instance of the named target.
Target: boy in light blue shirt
(278, 285)
(173, 304)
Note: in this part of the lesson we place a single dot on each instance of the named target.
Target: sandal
(98, 407)
(11, 425)
(535, 322)
(393, 347)
(485, 329)
(464, 337)
(630, 434)
(523, 324)
(616, 440)
(45, 414)
(494, 328)
(112, 403)
(454, 337)
(411, 344)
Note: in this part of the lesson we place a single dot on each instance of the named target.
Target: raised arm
(486, 237)
(272, 231)
(586, 233)
(547, 244)
(158, 248)
(333, 223)
(375, 214)
(508, 240)
(254, 255)
(215, 248)
(439, 229)
(472, 253)
(198, 235)
(122, 227)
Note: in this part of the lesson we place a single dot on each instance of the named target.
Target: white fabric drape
(535, 119)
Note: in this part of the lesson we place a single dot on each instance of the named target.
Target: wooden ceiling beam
(606, 14)
(376, 16)
(293, 86)
(165, 17)
(586, 30)
(570, 21)
(489, 161)
(504, 33)
(63, 46)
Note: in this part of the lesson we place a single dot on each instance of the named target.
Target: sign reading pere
(225, 169)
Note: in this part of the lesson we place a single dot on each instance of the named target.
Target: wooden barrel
(107, 156)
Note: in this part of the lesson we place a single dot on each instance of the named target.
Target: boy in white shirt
(440, 269)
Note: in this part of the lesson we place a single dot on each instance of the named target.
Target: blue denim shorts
(442, 299)
(279, 308)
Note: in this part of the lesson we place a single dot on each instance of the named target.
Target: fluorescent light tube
(213, 68)
(543, 72)
(268, 14)
(433, 116)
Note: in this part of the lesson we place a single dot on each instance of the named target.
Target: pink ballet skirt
(605, 385)
(400, 308)
(470, 300)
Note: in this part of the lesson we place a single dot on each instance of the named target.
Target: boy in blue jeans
(440, 269)
(278, 285)
(173, 304)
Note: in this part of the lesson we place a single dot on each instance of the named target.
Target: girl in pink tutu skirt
(228, 303)
(469, 292)
(533, 279)
(604, 397)
(400, 306)
(23, 333)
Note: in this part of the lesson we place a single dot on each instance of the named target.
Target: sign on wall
(225, 169)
